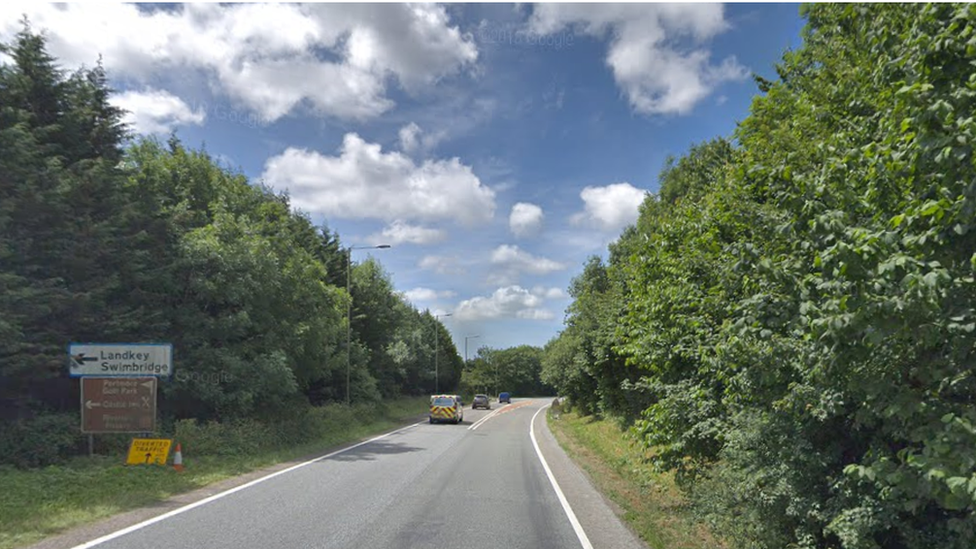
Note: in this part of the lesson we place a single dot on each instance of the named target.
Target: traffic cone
(178, 458)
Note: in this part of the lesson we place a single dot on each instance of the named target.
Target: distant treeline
(106, 238)
(516, 370)
(790, 324)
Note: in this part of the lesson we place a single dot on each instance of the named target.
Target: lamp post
(437, 384)
(349, 308)
(466, 338)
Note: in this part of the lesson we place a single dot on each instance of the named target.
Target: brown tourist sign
(118, 404)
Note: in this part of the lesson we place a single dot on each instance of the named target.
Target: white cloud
(156, 111)
(507, 302)
(553, 97)
(364, 182)
(509, 262)
(548, 293)
(515, 256)
(610, 208)
(427, 294)
(441, 265)
(408, 137)
(657, 75)
(242, 50)
(447, 112)
(525, 219)
(399, 232)
(536, 314)
(583, 240)
(413, 139)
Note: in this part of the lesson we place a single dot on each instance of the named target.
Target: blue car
(504, 397)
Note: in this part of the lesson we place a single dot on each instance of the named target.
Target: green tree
(691, 175)
(518, 370)
(156, 242)
(374, 320)
(60, 243)
(800, 305)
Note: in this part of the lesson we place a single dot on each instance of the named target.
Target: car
(504, 397)
(480, 401)
(445, 408)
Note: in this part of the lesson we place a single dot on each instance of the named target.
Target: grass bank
(38, 503)
(652, 505)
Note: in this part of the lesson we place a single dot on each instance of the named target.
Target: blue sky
(494, 146)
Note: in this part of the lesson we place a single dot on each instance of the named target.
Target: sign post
(118, 385)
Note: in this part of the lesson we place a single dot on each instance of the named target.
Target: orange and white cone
(178, 458)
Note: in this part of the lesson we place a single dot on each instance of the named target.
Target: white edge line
(194, 505)
(584, 541)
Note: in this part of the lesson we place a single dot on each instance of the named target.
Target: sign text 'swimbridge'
(120, 359)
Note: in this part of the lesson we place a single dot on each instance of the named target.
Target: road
(479, 483)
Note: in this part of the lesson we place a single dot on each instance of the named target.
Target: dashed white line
(194, 505)
(584, 541)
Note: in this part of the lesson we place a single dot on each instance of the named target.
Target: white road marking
(584, 541)
(194, 505)
(486, 418)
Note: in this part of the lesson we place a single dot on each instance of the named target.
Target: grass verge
(38, 503)
(652, 505)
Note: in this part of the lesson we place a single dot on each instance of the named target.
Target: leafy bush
(43, 440)
(245, 436)
(240, 437)
(802, 307)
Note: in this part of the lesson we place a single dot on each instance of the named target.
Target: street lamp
(437, 384)
(349, 308)
(466, 338)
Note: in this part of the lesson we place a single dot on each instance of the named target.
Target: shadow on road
(369, 451)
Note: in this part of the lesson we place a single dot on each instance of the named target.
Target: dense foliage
(106, 239)
(794, 311)
(516, 370)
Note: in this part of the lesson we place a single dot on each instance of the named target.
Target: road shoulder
(600, 518)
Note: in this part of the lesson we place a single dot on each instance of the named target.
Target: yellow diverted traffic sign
(149, 451)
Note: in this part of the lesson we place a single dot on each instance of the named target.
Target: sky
(494, 147)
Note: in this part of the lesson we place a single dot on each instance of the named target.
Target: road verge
(649, 502)
(62, 506)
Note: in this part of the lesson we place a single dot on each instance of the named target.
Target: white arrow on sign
(89, 404)
(120, 359)
(147, 385)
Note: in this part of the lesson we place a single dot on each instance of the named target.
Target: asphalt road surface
(480, 483)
